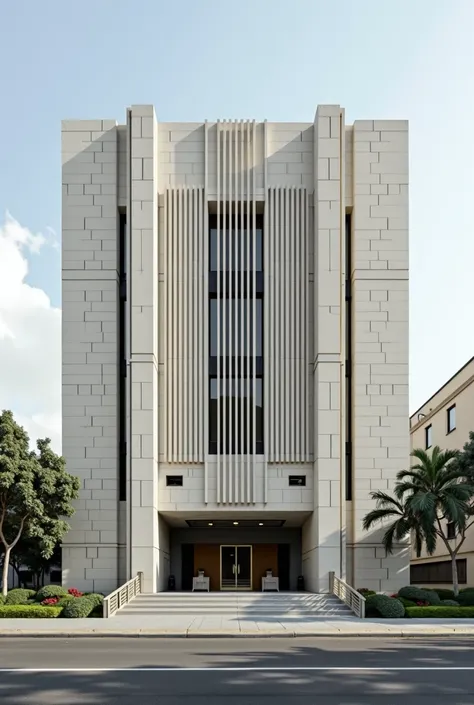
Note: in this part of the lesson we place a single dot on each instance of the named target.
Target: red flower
(50, 601)
(422, 603)
(75, 593)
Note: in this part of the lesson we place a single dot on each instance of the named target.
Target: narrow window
(428, 436)
(451, 418)
(451, 530)
(122, 387)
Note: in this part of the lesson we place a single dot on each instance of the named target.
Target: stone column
(143, 539)
(322, 533)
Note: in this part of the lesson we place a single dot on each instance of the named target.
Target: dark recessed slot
(297, 481)
(174, 481)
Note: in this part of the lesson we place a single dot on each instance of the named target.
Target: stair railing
(122, 596)
(350, 597)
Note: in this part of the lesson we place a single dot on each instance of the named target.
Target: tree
(433, 493)
(36, 492)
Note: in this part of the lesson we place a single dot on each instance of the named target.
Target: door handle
(233, 570)
(238, 570)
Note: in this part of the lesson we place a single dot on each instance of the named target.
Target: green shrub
(466, 599)
(2, 599)
(65, 600)
(19, 596)
(467, 589)
(28, 612)
(81, 607)
(405, 602)
(450, 603)
(95, 598)
(97, 612)
(384, 606)
(443, 593)
(441, 612)
(417, 594)
(365, 592)
(50, 591)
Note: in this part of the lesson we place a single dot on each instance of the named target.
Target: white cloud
(30, 338)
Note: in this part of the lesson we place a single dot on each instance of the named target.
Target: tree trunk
(6, 565)
(455, 575)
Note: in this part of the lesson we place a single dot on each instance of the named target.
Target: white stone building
(230, 400)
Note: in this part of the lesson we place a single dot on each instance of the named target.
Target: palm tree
(431, 494)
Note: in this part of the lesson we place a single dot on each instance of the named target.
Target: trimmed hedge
(440, 612)
(50, 591)
(81, 607)
(19, 596)
(28, 612)
(416, 594)
(468, 589)
(2, 599)
(365, 592)
(450, 603)
(384, 606)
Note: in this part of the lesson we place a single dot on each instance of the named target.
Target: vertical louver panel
(286, 305)
(186, 299)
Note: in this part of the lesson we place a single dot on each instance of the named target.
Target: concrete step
(240, 605)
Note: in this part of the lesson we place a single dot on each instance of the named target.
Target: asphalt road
(107, 671)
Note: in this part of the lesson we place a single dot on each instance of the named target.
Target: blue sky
(259, 59)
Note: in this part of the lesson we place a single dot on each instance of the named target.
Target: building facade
(445, 420)
(235, 348)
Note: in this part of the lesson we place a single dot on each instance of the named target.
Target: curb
(234, 635)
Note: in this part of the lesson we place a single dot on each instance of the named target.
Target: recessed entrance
(236, 567)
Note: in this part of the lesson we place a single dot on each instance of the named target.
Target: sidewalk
(215, 626)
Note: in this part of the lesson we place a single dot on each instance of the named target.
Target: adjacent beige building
(235, 348)
(445, 420)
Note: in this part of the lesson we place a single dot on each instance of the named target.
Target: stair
(251, 605)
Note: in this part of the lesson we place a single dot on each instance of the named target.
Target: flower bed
(49, 602)
(415, 603)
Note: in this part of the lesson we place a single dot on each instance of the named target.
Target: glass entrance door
(236, 567)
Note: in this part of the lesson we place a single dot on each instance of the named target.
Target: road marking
(171, 669)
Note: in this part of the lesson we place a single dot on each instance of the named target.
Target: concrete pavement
(223, 626)
(304, 671)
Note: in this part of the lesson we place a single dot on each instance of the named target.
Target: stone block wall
(380, 337)
(90, 354)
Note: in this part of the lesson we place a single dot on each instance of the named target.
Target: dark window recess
(451, 530)
(348, 298)
(236, 288)
(284, 565)
(451, 418)
(187, 566)
(297, 480)
(438, 572)
(122, 386)
(174, 481)
(428, 436)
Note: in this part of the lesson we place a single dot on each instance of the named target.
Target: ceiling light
(210, 524)
(236, 523)
(260, 523)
